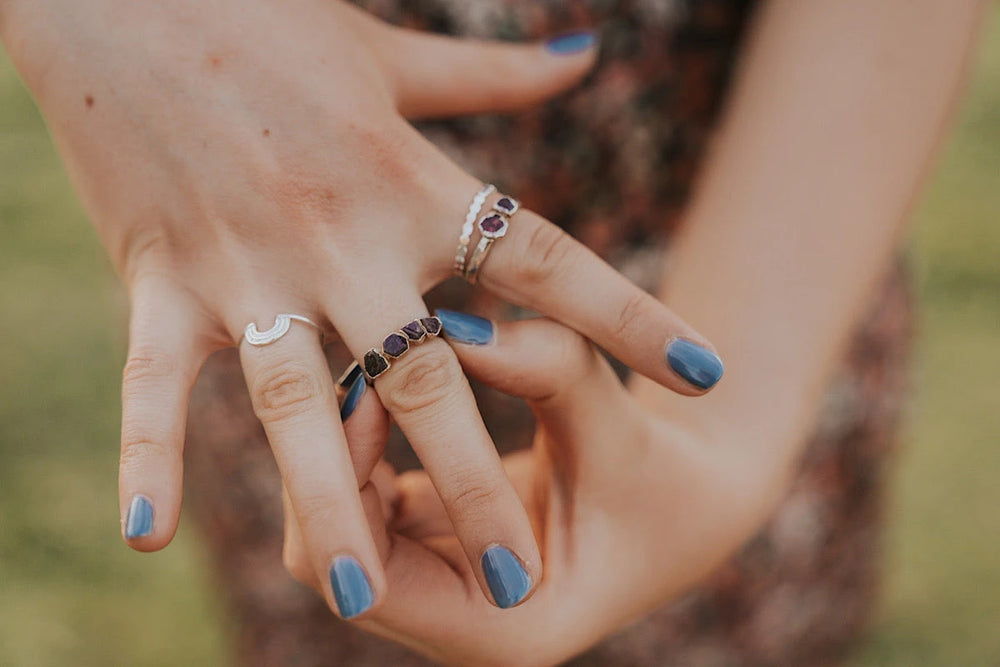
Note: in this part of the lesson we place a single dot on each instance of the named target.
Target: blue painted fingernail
(696, 364)
(139, 522)
(465, 328)
(506, 577)
(571, 43)
(350, 587)
(352, 398)
(353, 372)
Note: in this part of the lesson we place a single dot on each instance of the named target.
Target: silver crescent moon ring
(282, 323)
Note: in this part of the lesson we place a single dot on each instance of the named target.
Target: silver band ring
(282, 323)
(492, 226)
(470, 220)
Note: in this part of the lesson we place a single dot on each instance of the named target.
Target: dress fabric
(612, 162)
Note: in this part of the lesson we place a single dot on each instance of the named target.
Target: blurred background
(72, 594)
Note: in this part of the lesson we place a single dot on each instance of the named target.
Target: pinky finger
(165, 354)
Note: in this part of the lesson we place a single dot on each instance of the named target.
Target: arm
(835, 117)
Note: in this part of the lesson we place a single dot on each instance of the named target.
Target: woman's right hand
(631, 506)
(241, 160)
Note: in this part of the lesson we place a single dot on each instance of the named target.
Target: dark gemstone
(395, 345)
(414, 331)
(507, 205)
(346, 380)
(375, 364)
(432, 325)
(492, 224)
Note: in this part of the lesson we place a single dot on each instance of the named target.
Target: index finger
(541, 267)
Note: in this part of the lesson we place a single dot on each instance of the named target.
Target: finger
(427, 394)
(293, 551)
(561, 375)
(538, 266)
(366, 425)
(434, 75)
(293, 396)
(294, 554)
(165, 354)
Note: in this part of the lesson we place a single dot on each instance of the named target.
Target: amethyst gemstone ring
(396, 344)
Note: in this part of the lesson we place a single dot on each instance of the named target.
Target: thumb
(435, 76)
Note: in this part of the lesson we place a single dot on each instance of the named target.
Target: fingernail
(353, 372)
(139, 522)
(506, 577)
(699, 366)
(570, 43)
(352, 398)
(465, 328)
(350, 587)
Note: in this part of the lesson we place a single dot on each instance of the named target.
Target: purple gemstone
(432, 325)
(507, 205)
(395, 345)
(492, 224)
(414, 331)
(375, 364)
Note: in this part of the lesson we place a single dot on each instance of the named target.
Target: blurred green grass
(72, 594)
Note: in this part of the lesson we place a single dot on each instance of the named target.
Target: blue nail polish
(139, 522)
(352, 398)
(353, 372)
(697, 365)
(571, 43)
(465, 328)
(350, 587)
(506, 577)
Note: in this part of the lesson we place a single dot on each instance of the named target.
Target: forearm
(834, 120)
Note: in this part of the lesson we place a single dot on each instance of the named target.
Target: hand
(241, 160)
(629, 507)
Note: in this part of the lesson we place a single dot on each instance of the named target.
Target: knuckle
(543, 254)
(285, 390)
(428, 380)
(631, 315)
(148, 365)
(140, 454)
(473, 494)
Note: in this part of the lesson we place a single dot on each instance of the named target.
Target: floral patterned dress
(612, 162)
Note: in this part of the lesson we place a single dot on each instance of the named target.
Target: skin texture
(241, 160)
(635, 494)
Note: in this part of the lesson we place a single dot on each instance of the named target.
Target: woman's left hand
(628, 507)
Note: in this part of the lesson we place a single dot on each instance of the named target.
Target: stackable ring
(396, 344)
(470, 220)
(492, 226)
(282, 323)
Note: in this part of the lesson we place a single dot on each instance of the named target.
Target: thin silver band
(472, 271)
(493, 227)
(470, 220)
(282, 323)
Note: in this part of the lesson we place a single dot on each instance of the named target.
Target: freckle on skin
(89, 101)
(267, 132)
